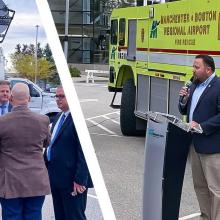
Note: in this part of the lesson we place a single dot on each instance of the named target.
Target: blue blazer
(207, 114)
(67, 164)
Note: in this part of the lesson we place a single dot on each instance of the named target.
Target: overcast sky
(23, 27)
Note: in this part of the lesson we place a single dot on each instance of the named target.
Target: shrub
(74, 72)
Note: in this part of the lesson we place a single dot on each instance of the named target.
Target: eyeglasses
(59, 96)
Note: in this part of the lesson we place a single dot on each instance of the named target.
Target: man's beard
(196, 80)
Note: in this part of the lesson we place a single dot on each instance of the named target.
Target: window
(88, 40)
(33, 91)
(114, 31)
(88, 31)
(122, 23)
(86, 56)
(75, 17)
(13, 82)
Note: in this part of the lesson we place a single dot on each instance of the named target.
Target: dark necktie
(55, 136)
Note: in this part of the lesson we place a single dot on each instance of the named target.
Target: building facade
(83, 28)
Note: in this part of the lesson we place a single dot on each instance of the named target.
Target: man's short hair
(208, 60)
(5, 82)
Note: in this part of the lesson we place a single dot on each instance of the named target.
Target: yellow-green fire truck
(152, 49)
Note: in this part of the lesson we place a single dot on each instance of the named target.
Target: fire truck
(152, 49)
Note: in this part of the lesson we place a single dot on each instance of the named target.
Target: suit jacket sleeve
(48, 136)
(47, 139)
(212, 124)
(82, 172)
(182, 108)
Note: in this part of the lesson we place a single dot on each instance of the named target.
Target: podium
(166, 149)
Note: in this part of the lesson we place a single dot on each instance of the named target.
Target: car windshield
(39, 88)
(14, 81)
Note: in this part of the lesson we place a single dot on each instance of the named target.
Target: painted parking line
(116, 122)
(101, 126)
(109, 135)
(98, 116)
(190, 216)
(88, 100)
(91, 120)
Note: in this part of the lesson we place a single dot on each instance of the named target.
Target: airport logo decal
(113, 53)
(151, 132)
(153, 32)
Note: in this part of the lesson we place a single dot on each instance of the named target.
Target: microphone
(188, 84)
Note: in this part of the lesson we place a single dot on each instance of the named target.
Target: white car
(41, 102)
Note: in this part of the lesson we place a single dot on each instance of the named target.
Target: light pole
(66, 30)
(36, 48)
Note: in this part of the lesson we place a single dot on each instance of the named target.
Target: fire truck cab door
(132, 29)
(142, 43)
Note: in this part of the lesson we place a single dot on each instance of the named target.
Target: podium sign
(166, 149)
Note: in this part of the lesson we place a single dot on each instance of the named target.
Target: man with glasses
(67, 168)
(5, 106)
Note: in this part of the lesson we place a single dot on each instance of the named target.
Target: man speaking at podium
(200, 101)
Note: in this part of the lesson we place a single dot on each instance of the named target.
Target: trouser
(28, 208)
(68, 207)
(206, 180)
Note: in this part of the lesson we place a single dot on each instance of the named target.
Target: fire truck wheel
(127, 117)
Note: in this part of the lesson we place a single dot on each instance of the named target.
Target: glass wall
(87, 33)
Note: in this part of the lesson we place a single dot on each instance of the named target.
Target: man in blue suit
(67, 168)
(201, 104)
(5, 94)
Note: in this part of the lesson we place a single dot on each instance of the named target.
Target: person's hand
(184, 92)
(195, 127)
(194, 124)
(77, 189)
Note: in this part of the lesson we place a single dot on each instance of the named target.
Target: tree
(47, 53)
(30, 49)
(44, 67)
(25, 66)
(40, 51)
(18, 49)
(54, 77)
(23, 61)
